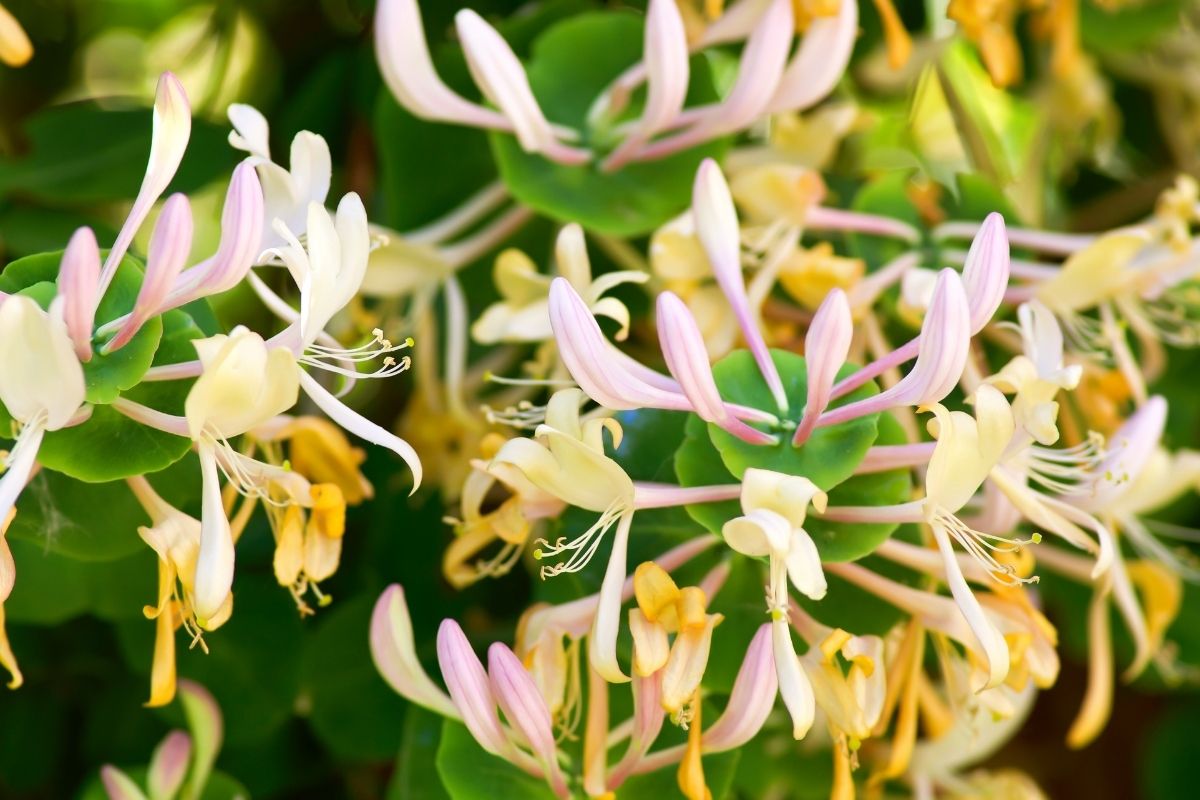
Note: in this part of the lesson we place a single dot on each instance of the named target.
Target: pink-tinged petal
(648, 719)
(943, 347)
(1129, 449)
(665, 55)
(687, 359)
(394, 651)
(168, 766)
(118, 785)
(825, 349)
(214, 564)
(169, 139)
(470, 689)
(241, 236)
(525, 710)
(985, 271)
(360, 426)
(602, 641)
(502, 79)
(169, 248)
(751, 700)
(717, 227)
(820, 61)
(207, 729)
(408, 70)
(78, 285)
(759, 71)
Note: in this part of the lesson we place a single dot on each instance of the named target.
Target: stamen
(981, 545)
(523, 416)
(582, 547)
(327, 358)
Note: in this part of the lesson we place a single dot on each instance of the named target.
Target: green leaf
(846, 541)
(1131, 27)
(415, 777)
(52, 588)
(81, 153)
(573, 62)
(471, 773)
(650, 438)
(831, 453)
(94, 521)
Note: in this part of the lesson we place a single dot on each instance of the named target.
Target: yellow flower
(808, 275)
(15, 47)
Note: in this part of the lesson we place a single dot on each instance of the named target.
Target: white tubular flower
(287, 193)
(41, 385)
(775, 507)
(1037, 376)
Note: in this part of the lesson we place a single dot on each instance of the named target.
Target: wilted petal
(717, 228)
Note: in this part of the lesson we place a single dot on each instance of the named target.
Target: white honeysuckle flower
(1037, 376)
(41, 385)
(287, 193)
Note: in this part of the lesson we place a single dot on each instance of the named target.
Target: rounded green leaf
(830, 454)
(471, 773)
(573, 62)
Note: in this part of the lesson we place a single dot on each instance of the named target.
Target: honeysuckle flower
(662, 609)
(41, 385)
(522, 315)
(1037, 376)
(511, 522)
(172, 129)
(244, 382)
(287, 193)
(15, 47)
(394, 652)
(775, 506)
(175, 538)
(852, 700)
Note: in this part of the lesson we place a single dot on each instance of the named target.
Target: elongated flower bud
(502, 80)
(820, 61)
(825, 349)
(985, 272)
(408, 70)
(665, 55)
(525, 709)
(717, 228)
(169, 248)
(394, 652)
(469, 688)
(172, 129)
(751, 699)
(78, 282)
(687, 359)
(168, 765)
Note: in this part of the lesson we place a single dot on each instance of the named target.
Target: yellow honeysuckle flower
(320, 451)
(809, 274)
(769, 193)
(664, 609)
(989, 24)
(691, 768)
(1161, 590)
